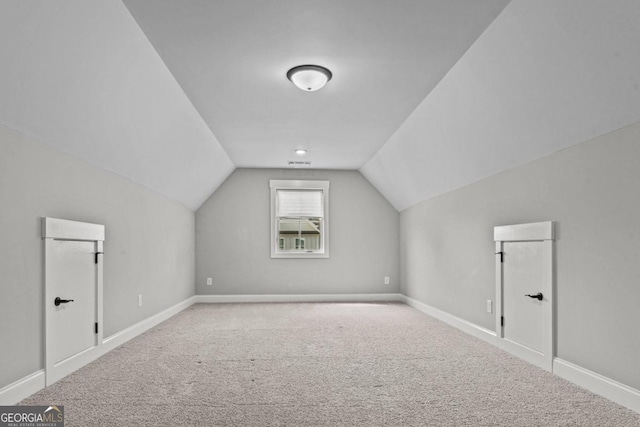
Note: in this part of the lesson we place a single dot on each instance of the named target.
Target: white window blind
(299, 203)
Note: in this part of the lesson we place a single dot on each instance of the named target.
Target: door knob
(537, 296)
(59, 301)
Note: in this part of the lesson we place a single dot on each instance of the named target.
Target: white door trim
(61, 229)
(539, 231)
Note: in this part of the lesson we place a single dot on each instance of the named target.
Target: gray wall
(592, 190)
(233, 239)
(149, 247)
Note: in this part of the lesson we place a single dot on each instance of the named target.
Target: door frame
(61, 229)
(533, 232)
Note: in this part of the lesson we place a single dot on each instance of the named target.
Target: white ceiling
(427, 95)
(544, 76)
(231, 59)
(81, 76)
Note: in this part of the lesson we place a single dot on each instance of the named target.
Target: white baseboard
(216, 299)
(21, 389)
(25, 387)
(464, 325)
(133, 331)
(598, 384)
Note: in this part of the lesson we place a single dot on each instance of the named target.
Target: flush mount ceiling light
(301, 151)
(309, 77)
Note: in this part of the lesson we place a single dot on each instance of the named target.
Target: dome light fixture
(301, 151)
(309, 77)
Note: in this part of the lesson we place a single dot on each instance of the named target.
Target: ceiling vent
(299, 164)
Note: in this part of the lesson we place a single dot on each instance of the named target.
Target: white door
(524, 291)
(72, 295)
(73, 285)
(523, 274)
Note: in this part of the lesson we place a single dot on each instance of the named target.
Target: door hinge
(96, 258)
(501, 256)
(501, 321)
(96, 329)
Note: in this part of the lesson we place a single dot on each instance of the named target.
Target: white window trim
(275, 185)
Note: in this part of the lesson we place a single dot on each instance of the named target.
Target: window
(299, 219)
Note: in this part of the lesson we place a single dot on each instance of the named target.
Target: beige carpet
(318, 365)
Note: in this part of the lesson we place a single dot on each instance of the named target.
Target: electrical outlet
(386, 280)
(209, 281)
(489, 306)
(139, 300)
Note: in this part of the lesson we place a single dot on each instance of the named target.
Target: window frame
(275, 185)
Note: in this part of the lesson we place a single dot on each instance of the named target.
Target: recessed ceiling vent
(299, 164)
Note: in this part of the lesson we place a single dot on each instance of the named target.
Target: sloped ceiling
(544, 76)
(231, 59)
(81, 76)
(427, 95)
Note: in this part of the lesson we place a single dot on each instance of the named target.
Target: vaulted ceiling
(231, 59)
(427, 95)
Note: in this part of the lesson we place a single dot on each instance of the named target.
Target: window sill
(300, 255)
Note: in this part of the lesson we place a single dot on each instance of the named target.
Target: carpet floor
(318, 364)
